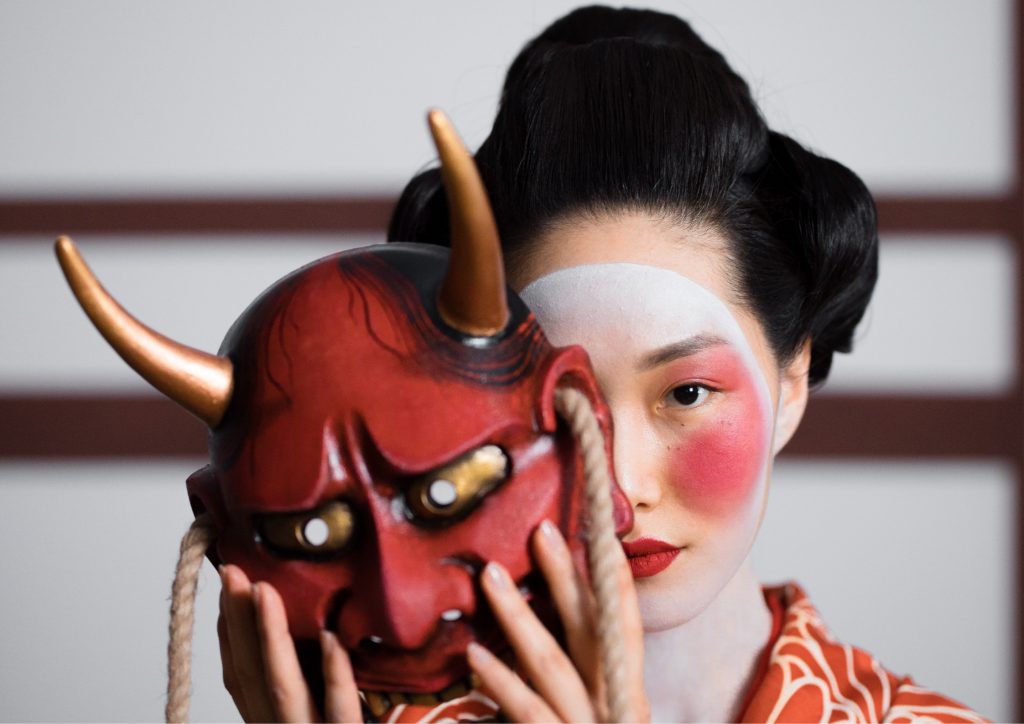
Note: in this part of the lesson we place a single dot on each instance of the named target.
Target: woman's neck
(702, 670)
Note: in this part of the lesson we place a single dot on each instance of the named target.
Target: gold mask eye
(322, 531)
(451, 491)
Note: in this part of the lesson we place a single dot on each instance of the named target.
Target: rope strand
(602, 548)
(183, 599)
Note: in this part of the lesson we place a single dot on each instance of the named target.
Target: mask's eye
(322, 531)
(449, 492)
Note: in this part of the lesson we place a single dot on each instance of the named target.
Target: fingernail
(498, 576)
(476, 654)
(549, 531)
(328, 641)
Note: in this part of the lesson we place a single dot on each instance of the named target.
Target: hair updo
(612, 109)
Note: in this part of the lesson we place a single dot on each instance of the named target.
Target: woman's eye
(689, 396)
(448, 493)
(319, 532)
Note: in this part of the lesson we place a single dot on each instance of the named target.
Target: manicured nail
(552, 534)
(499, 578)
(477, 655)
(328, 641)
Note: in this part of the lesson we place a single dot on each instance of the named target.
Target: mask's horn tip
(69, 257)
(64, 247)
(437, 120)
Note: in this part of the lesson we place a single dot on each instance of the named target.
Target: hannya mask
(382, 423)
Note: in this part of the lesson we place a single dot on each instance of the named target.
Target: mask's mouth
(428, 671)
(381, 702)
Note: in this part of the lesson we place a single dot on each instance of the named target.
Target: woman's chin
(667, 601)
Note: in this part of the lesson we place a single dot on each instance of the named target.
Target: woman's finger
(633, 633)
(245, 645)
(517, 701)
(537, 651)
(573, 600)
(286, 685)
(227, 661)
(341, 702)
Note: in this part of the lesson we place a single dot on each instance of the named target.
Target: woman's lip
(647, 546)
(649, 556)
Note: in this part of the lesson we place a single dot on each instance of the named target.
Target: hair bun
(825, 212)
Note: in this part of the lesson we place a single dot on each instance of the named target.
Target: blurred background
(199, 151)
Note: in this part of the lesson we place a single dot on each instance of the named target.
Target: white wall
(148, 97)
(144, 98)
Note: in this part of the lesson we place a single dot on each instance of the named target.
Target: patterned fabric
(472, 707)
(811, 677)
(806, 676)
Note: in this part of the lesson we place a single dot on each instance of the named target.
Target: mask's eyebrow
(683, 348)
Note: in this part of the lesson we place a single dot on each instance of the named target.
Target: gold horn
(472, 297)
(199, 382)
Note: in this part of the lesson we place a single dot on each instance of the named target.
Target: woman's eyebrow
(682, 348)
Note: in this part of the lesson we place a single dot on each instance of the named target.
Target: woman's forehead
(645, 306)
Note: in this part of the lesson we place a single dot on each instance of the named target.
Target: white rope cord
(602, 548)
(183, 599)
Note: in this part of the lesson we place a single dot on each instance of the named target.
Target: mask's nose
(402, 598)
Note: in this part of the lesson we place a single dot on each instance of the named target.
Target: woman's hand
(566, 686)
(261, 667)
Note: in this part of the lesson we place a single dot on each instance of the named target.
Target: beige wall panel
(943, 320)
(117, 97)
(89, 554)
(914, 562)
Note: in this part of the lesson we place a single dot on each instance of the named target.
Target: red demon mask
(382, 424)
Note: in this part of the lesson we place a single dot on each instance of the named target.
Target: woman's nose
(636, 462)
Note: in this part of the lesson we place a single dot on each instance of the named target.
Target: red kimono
(805, 676)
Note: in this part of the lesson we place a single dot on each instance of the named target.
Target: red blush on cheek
(717, 467)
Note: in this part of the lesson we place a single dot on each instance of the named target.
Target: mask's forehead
(351, 354)
(429, 422)
(632, 307)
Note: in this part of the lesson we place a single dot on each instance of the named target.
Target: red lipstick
(649, 556)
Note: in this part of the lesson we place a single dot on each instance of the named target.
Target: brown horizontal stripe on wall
(363, 214)
(949, 214)
(114, 426)
(835, 426)
(910, 426)
(195, 216)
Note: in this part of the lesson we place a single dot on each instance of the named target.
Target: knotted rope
(602, 557)
(183, 601)
(603, 548)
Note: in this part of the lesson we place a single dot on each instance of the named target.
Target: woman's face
(692, 384)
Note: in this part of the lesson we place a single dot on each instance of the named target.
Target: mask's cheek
(718, 466)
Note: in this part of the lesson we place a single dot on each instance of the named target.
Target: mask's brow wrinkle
(683, 348)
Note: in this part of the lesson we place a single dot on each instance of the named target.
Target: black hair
(612, 109)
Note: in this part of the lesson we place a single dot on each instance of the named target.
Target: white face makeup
(693, 415)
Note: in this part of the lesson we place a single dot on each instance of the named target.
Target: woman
(711, 268)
